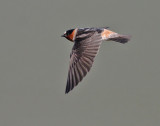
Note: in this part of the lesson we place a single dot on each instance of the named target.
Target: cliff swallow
(87, 42)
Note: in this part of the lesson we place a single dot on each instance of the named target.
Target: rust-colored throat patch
(72, 35)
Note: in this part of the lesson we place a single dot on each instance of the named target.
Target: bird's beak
(63, 35)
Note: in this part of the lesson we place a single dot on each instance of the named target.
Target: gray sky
(122, 88)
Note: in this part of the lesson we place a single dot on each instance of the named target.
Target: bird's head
(69, 34)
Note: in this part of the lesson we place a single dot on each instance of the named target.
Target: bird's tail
(120, 38)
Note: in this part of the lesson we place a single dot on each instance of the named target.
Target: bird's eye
(69, 32)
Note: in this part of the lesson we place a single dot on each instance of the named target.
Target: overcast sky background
(122, 88)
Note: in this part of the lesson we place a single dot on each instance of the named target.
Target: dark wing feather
(82, 57)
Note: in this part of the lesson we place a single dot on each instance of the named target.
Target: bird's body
(86, 45)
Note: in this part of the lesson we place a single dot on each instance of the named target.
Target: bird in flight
(87, 42)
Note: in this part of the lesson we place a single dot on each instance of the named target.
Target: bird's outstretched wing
(82, 57)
